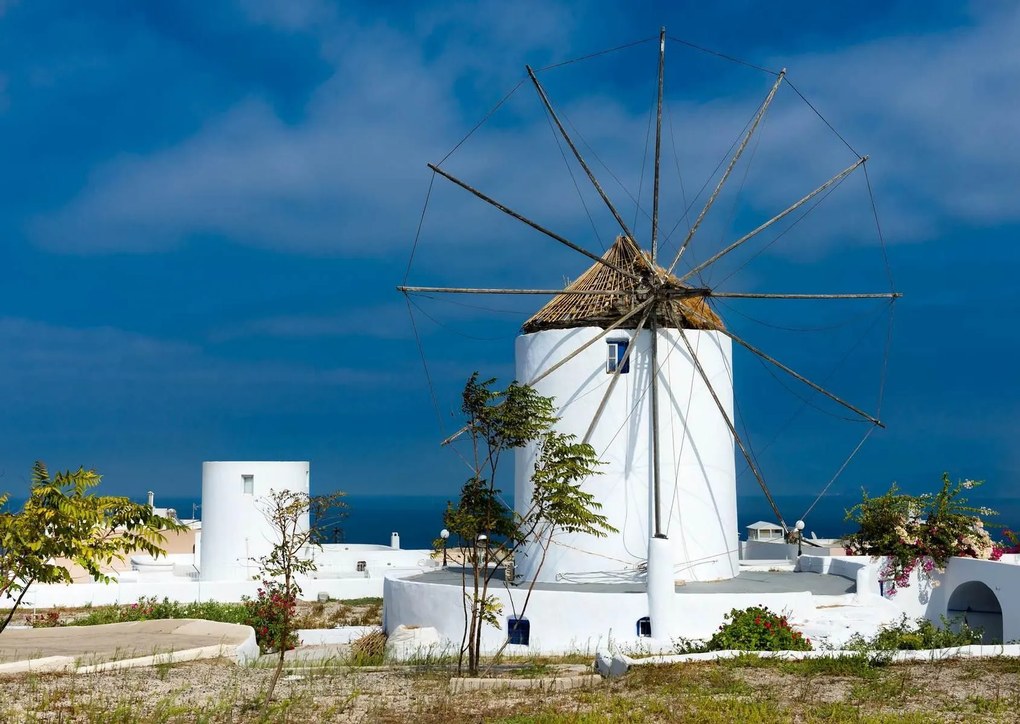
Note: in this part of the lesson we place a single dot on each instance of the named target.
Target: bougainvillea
(919, 532)
(1010, 544)
(268, 613)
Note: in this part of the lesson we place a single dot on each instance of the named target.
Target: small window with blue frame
(617, 353)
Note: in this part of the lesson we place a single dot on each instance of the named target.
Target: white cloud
(936, 111)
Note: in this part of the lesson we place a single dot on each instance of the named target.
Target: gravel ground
(216, 691)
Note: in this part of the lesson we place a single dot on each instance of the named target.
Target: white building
(697, 491)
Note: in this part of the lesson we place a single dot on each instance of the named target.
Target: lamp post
(799, 525)
(482, 542)
(445, 535)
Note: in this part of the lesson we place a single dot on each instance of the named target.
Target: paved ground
(745, 582)
(119, 641)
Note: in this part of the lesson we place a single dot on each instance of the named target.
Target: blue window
(518, 630)
(644, 626)
(615, 358)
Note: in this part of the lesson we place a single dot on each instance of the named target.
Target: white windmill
(640, 367)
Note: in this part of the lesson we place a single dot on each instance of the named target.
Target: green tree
(489, 531)
(292, 555)
(64, 519)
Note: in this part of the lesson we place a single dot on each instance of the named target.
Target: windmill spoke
(793, 373)
(577, 154)
(472, 290)
(658, 144)
(789, 210)
(641, 307)
(729, 169)
(616, 377)
(764, 295)
(729, 422)
(532, 224)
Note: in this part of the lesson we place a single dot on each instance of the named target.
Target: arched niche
(976, 604)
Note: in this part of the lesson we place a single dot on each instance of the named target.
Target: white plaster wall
(235, 532)
(928, 595)
(565, 621)
(698, 491)
(184, 590)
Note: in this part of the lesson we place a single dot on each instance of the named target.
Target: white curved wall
(698, 475)
(234, 527)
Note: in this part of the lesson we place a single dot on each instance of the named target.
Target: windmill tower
(603, 396)
(640, 368)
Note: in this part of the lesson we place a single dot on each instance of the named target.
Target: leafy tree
(489, 531)
(291, 556)
(63, 519)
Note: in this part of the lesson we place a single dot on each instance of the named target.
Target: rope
(480, 123)
(878, 226)
(451, 329)
(596, 55)
(425, 366)
(743, 181)
(824, 120)
(644, 163)
(421, 221)
(717, 54)
(563, 155)
(839, 472)
(718, 166)
(603, 164)
(885, 360)
(804, 405)
(787, 230)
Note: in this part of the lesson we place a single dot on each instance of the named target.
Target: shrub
(269, 614)
(916, 635)
(150, 609)
(750, 629)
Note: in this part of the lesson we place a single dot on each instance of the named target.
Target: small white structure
(235, 531)
(698, 506)
(764, 532)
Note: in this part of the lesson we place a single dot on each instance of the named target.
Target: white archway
(975, 604)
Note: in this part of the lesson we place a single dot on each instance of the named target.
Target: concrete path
(123, 645)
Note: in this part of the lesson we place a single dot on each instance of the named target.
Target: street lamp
(445, 535)
(799, 525)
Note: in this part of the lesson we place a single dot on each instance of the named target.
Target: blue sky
(205, 209)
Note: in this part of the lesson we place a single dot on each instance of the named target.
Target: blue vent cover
(518, 630)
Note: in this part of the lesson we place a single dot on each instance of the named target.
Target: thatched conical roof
(566, 311)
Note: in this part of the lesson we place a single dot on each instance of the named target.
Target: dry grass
(745, 690)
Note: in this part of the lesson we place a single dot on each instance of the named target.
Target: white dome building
(697, 477)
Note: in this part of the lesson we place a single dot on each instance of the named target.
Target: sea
(418, 519)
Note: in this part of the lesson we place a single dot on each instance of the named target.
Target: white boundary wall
(569, 621)
(698, 495)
